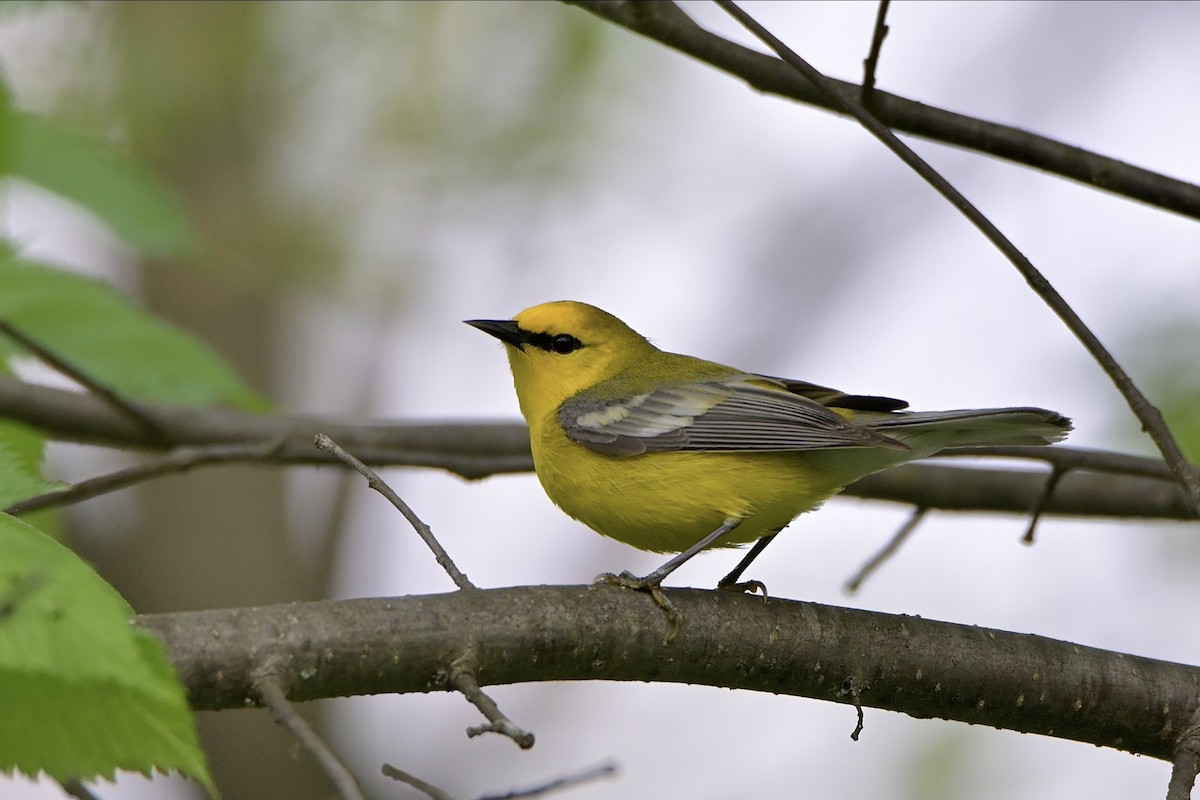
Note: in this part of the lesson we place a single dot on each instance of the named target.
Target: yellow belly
(666, 502)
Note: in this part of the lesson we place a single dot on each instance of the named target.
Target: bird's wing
(742, 413)
(833, 398)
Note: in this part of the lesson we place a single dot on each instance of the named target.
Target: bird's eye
(561, 343)
(565, 343)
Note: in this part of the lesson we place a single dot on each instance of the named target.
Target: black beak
(506, 330)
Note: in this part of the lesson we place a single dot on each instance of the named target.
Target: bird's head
(558, 349)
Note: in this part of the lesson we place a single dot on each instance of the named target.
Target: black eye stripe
(561, 343)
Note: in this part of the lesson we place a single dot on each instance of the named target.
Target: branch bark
(1131, 486)
(665, 23)
(920, 667)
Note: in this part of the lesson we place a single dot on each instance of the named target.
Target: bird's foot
(652, 585)
(749, 587)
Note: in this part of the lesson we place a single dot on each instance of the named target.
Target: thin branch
(915, 665)
(1079, 495)
(567, 781)
(888, 550)
(323, 442)
(853, 689)
(1147, 414)
(80, 377)
(871, 62)
(1186, 762)
(1052, 481)
(412, 780)
(270, 690)
(463, 671)
(1076, 458)
(665, 23)
(181, 460)
(480, 449)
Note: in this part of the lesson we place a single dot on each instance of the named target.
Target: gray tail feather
(989, 427)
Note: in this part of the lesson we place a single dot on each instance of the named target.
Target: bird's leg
(652, 583)
(730, 581)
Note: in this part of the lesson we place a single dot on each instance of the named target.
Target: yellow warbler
(671, 453)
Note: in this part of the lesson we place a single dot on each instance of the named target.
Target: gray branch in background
(1100, 484)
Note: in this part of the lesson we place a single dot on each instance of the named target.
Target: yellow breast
(667, 501)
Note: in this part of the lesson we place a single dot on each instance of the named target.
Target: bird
(674, 454)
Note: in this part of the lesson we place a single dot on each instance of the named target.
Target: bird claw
(653, 586)
(749, 587)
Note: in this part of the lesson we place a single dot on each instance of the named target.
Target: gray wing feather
(733, 415)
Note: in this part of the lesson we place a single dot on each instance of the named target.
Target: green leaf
(21, 452)
(82, 692)
(138, 208)
(105, 336)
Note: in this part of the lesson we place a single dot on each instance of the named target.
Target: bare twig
(567, 781)
(1149, 416)
(270, 690)
(888, 550)
(80, 377)
(462, 678)
(1052, 481)
(871, 62)
(1076, 458)
(1080, 495)
(1186, 762)
(853, 688)
(665, 23)
(583, 776)
(323, 442)
(180, 460)
(415, 782)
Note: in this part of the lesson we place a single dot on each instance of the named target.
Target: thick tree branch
(916, 666)
(664, 22)
(1134, 487)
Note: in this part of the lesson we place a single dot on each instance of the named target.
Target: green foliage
(139, 209)
(101, 333)
(21, 450)
(82, 692)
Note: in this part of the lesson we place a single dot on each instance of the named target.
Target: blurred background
(367, 175)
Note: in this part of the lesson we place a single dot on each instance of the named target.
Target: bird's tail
(928, 432)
